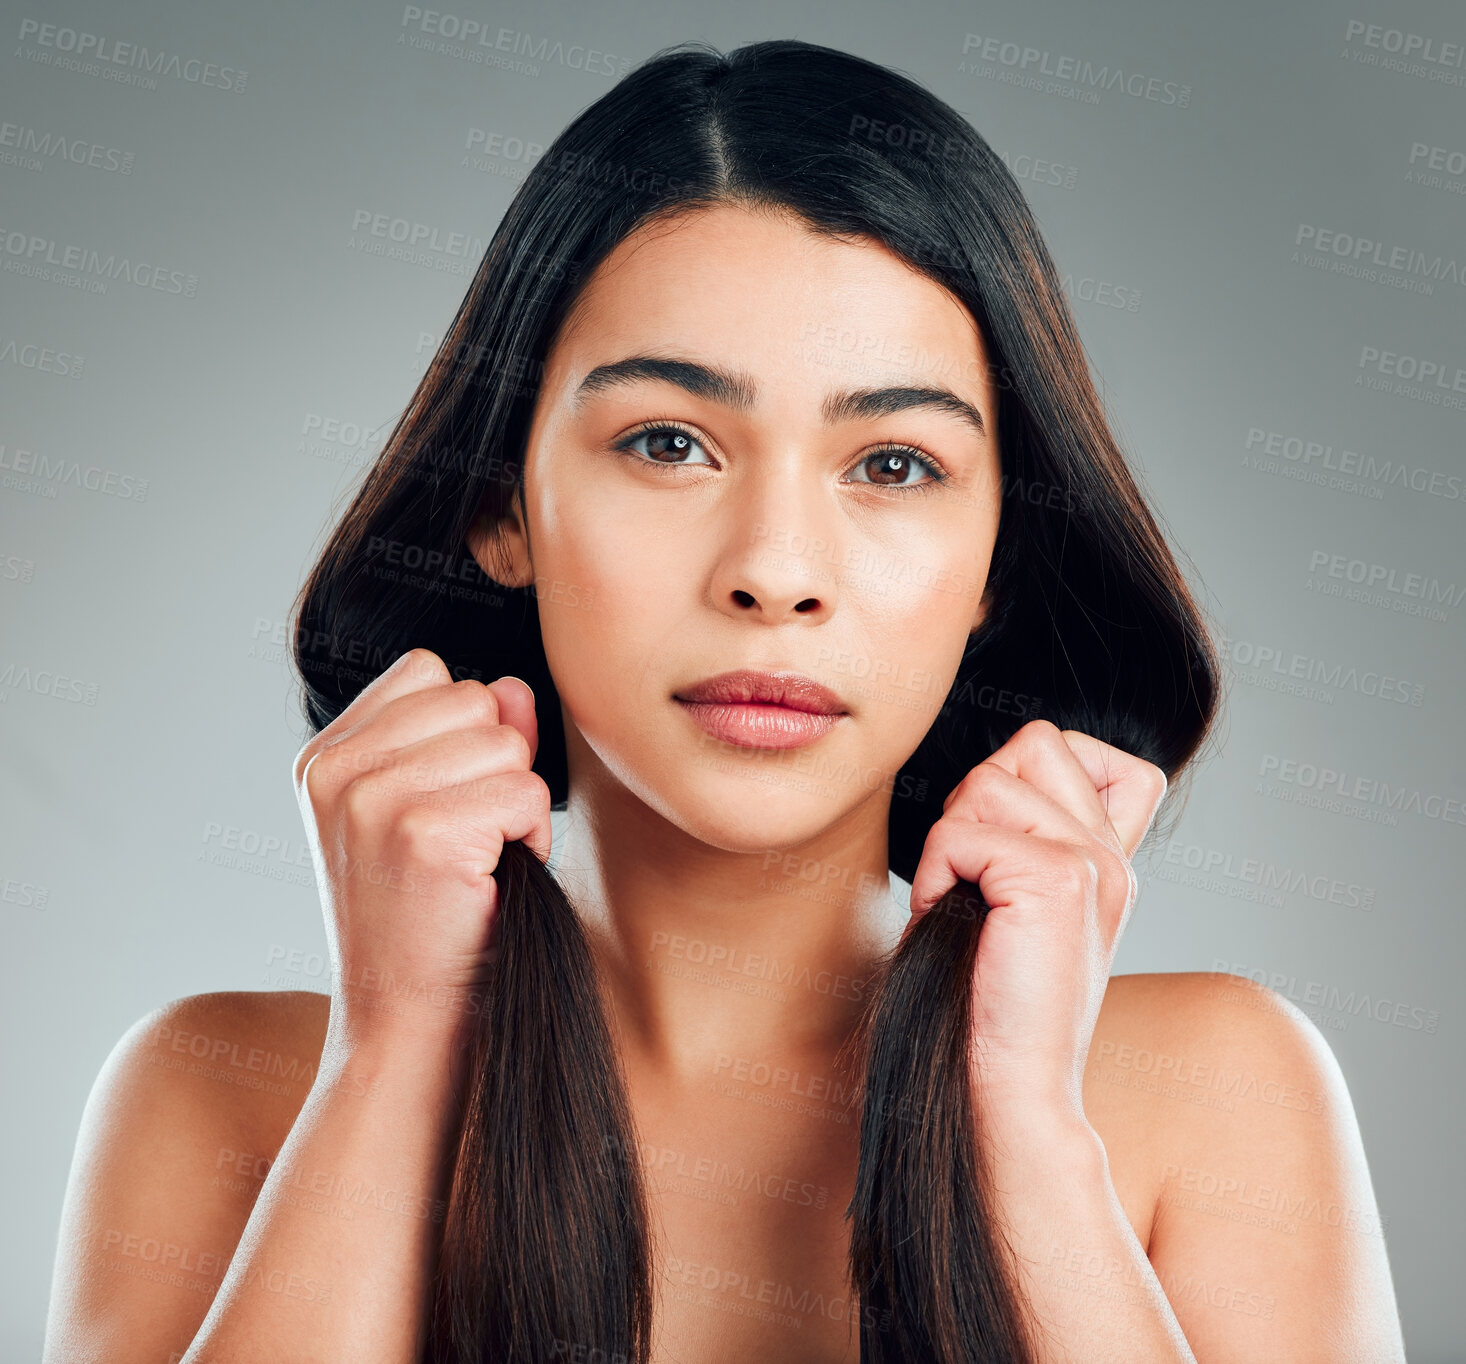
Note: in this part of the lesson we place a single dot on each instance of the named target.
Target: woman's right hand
(408, 798)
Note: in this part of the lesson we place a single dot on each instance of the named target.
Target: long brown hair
(546, 1250)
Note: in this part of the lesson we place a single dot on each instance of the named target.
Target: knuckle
(527, 792)
(954, 837)
(358, 805)
(1078, 871)
(417, 829)
(950, 829)
(477, 701)
(426, 665)
(519, 755)
(539, 793)
(1041, 731)
(989, 776)
(978, 787)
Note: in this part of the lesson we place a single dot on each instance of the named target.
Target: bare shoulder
(239, 1061)
(265, 1043)
(181, 1125)
(1230, 1116)
(234, 1063)
(1174, 1053)
(1205, 1040)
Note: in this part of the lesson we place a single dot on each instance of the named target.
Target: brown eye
(891, 469)
(888, 468)
(664, 444)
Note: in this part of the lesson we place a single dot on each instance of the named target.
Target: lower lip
(759, 726)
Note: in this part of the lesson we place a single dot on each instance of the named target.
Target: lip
(746, 686)
(770, 710)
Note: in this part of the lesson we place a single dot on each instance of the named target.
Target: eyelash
(938, 474)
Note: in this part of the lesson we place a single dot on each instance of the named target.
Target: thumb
(516, 707)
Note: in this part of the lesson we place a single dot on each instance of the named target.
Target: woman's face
(748, 508)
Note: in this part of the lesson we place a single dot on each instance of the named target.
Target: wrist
(1050, 1138)
(368, 1019)
(397, 1049)
(407, 1092)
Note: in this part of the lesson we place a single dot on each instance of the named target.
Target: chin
(757, 812)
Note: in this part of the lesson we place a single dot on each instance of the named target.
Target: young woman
(758, 511)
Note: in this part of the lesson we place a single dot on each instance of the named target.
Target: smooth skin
(1176, 1155)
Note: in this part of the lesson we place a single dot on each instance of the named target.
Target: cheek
(914, 639)
(609, 601)
(586, 532)
(931, 622)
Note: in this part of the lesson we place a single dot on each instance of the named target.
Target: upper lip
(746, 685)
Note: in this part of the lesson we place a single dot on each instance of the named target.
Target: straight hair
(546, 1250)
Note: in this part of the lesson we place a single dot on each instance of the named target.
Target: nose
(778, 559)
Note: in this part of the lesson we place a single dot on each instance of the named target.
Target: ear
(501, 546)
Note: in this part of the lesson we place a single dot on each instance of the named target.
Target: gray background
(163, 607)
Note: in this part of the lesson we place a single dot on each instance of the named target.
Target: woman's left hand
(1045, 828)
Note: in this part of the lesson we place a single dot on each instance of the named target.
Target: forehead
(757, 287)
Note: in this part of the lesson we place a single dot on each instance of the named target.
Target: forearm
(1091, 1292)
(335, 1261)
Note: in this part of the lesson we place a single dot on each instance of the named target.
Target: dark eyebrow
(739, 392)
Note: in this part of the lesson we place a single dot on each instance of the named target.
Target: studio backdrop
(231, 239)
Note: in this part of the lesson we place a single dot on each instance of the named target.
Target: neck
(708, 954)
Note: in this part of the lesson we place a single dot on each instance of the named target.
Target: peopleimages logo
(1257, 878)
(32, 145)
(423, 236)
(1374, 584)
(1273, 666)
(59, 471)
(47, 259)
(1327, 781)
(1406, 260)
(1333, 999)
(1410, 46)
(43, 359)
(1377, 471)
(463, 36)
(97, 54)
(1029, 63)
